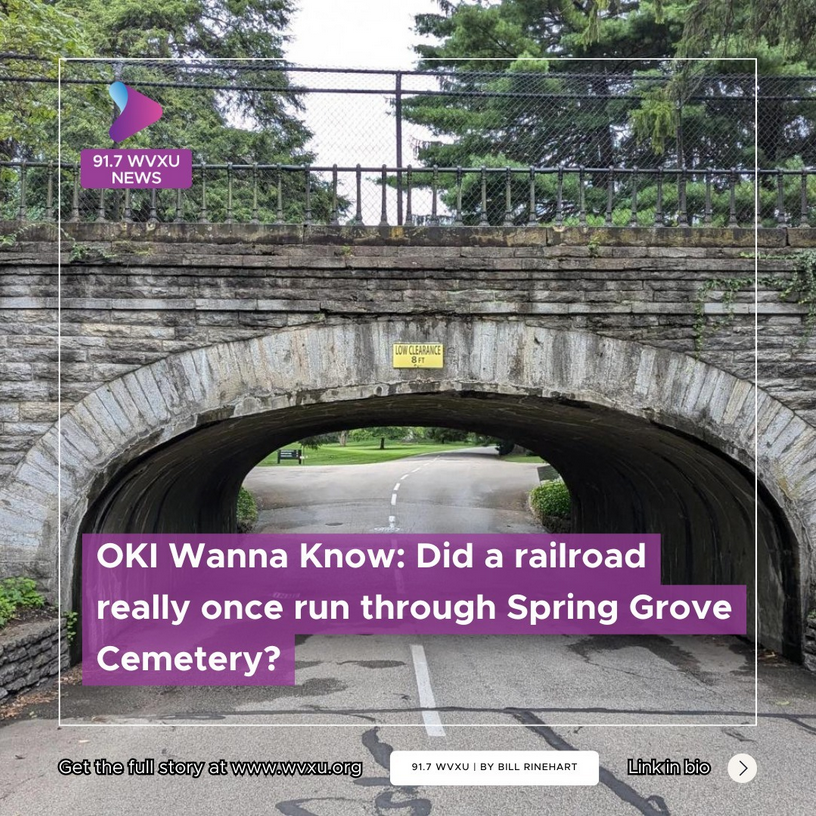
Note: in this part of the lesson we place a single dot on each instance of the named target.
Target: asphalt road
(683, 697)
(463, 491)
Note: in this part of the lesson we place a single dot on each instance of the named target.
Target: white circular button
(742, 768)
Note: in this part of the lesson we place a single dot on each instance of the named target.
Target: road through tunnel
(647, 440)
(625, 474)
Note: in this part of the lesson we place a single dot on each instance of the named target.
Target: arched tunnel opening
(626, 474)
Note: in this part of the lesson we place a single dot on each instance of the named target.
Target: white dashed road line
(392, 520)
(433, 723)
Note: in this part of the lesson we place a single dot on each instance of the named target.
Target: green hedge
(551, 498)
(247, 511)
(17, 594)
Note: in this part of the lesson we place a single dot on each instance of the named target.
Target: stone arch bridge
(188, 351)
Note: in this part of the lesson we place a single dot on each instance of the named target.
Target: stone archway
(644, 437)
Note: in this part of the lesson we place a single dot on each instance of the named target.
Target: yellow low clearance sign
(418, 355)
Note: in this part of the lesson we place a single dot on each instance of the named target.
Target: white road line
(405, 476)
(393, 499)
(392, 520)
(397, 486)
(416, 469)
(433, 723)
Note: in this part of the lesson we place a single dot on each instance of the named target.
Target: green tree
(778, 33)
(626, 111)
(445, 435)
(28, 114)
(379, 432)
(214, 29)
(268, 127)
(535, 112)
(546, 112)
(314, 442)
(225, 112)
(622, 29)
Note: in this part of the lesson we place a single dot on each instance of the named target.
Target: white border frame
(755, 723)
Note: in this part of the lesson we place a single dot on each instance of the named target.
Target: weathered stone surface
(229, 339)
(810, 642)
(30, 654)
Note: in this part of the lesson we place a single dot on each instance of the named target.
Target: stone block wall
(809, 651)
(29, 655)
(133, 293)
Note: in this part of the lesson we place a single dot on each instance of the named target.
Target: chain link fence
(666, 144)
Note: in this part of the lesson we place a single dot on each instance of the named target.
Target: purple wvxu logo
(136, 111)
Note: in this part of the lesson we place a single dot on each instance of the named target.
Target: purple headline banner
(224, 609)
(136, 169)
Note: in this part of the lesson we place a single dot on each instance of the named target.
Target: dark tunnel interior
(625, 474)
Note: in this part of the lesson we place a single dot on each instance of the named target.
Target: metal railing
(437, 196)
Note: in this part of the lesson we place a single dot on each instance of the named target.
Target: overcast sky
(356, 33)
(357, 128)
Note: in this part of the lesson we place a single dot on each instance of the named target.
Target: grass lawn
(361, 453)
(522, 457)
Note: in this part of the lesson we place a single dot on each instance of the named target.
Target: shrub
(16, 594)
(551, 498)
(393, 432)
(314, 442)
(6, 610)
(247, 511)
(71, 619)
(444, 435)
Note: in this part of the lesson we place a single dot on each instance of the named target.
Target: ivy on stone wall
(798, 287)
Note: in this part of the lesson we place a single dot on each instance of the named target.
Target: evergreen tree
(624, 111)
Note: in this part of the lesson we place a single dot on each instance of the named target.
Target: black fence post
(23, 210)
(334, 218)
(75, 194)
(409, 216)
(202, 213)
(803, 208)
(398, 111)
(49, 199)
